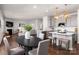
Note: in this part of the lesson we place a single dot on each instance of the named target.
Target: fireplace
(10, 31)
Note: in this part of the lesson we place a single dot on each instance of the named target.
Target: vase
(27, 35)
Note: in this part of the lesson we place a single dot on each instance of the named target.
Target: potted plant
(28, 28)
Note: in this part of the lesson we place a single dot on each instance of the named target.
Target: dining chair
(42, 48)
(13, 51)
(33, 32)
(41, 36)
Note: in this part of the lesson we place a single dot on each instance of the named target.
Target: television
(9, 24)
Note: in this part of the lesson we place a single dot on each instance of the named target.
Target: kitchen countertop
(67, 33)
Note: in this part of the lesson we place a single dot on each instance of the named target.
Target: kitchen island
(67, 36)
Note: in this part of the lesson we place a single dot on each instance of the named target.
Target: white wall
(11, 20)
(78, 25)
(72, 21)
(45, 23)
(39, 24)
(1, 26)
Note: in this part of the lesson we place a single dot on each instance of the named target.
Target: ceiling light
(56, 17)
(46, 10)
(34, 6)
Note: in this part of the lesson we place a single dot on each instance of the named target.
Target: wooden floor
(52, 51)
(56, 51)
(13, 44)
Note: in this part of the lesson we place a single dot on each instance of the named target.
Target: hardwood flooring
(13, 44)
(52, 51)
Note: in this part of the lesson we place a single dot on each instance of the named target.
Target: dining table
(28, 44)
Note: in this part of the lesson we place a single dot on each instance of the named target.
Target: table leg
(27, 50)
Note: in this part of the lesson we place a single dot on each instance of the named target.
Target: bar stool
(54, 42)
(64, 41)
(63, 49)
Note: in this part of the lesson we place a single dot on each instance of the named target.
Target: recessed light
(34, 6)
(46, 11)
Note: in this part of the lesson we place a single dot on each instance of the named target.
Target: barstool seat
(64, 41)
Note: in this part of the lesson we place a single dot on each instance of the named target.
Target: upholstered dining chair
(40, 36)
(33, 31)
(13, 51)
(42, 48)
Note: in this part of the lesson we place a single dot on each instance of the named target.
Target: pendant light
(66, 15)
(56, 15)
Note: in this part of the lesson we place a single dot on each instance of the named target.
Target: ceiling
(29, 11)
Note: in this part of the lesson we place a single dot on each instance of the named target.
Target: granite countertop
(67, 33)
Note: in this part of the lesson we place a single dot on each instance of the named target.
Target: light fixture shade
(56, 17)
(66, 16)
